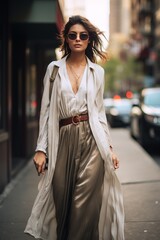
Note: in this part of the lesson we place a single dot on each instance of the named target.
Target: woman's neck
(77, 59)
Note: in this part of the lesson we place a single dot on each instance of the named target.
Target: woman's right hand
(39, 161)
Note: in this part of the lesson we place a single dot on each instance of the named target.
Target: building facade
(145, 24)
(28, 39)
(157, 41)
(119, 25)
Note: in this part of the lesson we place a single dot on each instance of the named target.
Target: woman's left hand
(115, 160)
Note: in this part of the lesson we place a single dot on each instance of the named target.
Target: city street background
(28, 43)
(139, 174)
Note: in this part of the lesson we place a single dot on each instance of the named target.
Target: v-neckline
(69, 82)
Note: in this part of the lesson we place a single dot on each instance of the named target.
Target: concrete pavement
(15, 204)
(140, 178)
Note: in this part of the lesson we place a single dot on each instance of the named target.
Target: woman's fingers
(39, 169)
(116, 164)
(39, 161)
(115, 161)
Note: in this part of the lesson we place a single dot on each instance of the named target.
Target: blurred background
(28, 42)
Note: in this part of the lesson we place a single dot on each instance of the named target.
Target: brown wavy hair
(94, 47)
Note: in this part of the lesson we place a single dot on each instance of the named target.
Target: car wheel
(112, 124)
(144, 136)
(131, 129)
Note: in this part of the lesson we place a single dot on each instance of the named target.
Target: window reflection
(1, 84)
(31, 102)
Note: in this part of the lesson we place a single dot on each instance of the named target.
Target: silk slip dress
(79, 171)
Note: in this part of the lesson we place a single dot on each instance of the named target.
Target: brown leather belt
(75, 120)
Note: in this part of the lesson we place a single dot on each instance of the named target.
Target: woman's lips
(77, 45)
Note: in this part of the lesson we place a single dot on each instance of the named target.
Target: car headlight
(156, 120)
(114, 112)
(153, 119)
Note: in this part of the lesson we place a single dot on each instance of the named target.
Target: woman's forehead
(77, 28)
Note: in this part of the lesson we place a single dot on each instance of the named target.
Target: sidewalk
(140, 178)
(16, 203)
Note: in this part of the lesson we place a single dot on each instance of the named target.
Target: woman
(79, 195)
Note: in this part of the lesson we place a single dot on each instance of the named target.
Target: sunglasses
(82, 36)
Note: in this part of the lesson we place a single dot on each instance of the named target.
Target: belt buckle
(74, 118)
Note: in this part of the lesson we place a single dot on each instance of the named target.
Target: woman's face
(77, 38)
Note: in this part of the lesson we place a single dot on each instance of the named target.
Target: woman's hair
(94, 47)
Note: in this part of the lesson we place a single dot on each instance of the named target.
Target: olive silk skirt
(77, 184)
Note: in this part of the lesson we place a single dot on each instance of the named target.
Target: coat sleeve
(101, 108)
(42, 141)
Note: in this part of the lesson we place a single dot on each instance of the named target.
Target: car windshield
(152, 99)
(122, 106)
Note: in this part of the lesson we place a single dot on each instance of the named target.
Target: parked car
(108, 102)
(119, 112)
(145, 117)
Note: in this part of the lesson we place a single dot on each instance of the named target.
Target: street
(140, 177)
(155, 153)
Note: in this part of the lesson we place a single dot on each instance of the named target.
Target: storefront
(28, 31)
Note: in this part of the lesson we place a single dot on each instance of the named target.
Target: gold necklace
(74, 73)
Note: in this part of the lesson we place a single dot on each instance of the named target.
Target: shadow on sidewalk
(16, 202)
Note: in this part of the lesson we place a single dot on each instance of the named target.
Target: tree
(122, 75)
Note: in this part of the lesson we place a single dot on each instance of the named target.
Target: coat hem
(33, 234)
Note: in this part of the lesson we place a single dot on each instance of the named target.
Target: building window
(31, 108)
(31, 96)
(1, 87)
(3, 50)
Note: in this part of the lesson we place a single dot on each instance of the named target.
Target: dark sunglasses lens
(83, 36)
(72, 36)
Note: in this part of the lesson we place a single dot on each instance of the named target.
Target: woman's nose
(78, 37)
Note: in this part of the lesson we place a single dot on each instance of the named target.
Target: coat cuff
(40, 149)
